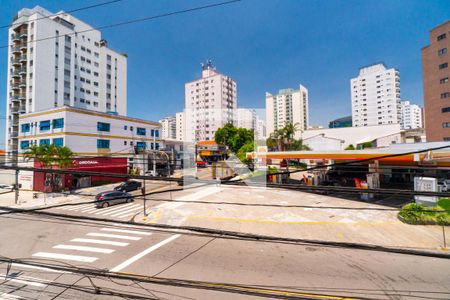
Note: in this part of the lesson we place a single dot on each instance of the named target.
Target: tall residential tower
(57, 60)
(436, 86)
(288, 106)
(376, 96)
(210, 103)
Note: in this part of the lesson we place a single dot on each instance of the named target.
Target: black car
(128, 186)
(105, 199)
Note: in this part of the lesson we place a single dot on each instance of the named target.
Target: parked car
(105, 199)
(151, 173)
(202, 164)
(6, 187)
(128, 186)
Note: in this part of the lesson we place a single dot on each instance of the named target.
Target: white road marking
(6, 296)
(116, 209)
(91, 209)
(66, 256)
(143, 253)
(127, 215)
(127, 211)
(127, 225)
(102, 242)
(84, 248)
(195, 196)
(114, 236)
(36, 267)
(24, 280)
(75, 207)
(126, 231)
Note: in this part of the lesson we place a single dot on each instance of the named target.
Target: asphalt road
(305, 271)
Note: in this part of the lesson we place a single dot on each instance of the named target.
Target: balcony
(23, 71)
(15, 61)
(22, 109)
(15, 86)
(15, 37)
(23, 84)
(21, 96)
(23, 58)
(23, 34)
(14, 98)
(15, 74)
(24, 46)
(15, 50)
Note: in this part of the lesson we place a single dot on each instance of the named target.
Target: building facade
(246, 118)
(56, 60)
(288, 106)
(411, 115)
(88, 132)
(180, 126)
(376, 96)
(210, 103)
(341, 122)
(436, 86)
(169, 128)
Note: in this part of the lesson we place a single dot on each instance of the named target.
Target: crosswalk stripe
(84, 248)
(105, 212)
(126, 231)
(127, 211)
(90, 209)
(77, 207)
(103, 242)
(6, 296)
(114, 236)
(36, 267)
(143, 253)
(65, 256)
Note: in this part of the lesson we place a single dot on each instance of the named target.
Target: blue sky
(263, 45)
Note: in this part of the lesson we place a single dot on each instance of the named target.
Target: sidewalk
(323, 218)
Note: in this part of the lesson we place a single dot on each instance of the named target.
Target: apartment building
(180, 126)
(436, 86)
(168, 128)
(288, 106)
(210, 103)
(249, 119)
(88, 132)
(375, 96)
(411, 115)
(57, 60)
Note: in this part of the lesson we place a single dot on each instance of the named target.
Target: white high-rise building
(376, 96)
(180, 126)
(57, 60)
(210, 103)
(246, 118)
(411, 115)
(288, 106)
(261, 131)
(168, 128)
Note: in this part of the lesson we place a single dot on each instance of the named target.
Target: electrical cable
(63, 12)
(132, 21)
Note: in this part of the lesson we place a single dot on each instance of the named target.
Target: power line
(137, 20)
(57, 14)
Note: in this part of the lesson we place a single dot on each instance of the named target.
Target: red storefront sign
(46, 182)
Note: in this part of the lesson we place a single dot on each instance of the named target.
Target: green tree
(232, 137)
(283, 139)
(350, 147)
(242, 153)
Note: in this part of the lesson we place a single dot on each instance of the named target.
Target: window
(131, 128)
(102, 144)
(103, 127)
(443, 80)
(44, 125)
(24, 145)
(441, 37)
(44, 142)
(443, 66)
(140, 131)
(446, 125)
(125, 127)
(124, 143)
(141, 145)
(445, 95)
(152, 132)
(446, 109)
(157, 133)
(157, 146)
(442, 51)
(58, 142)
(25, 127)
(58, 123)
